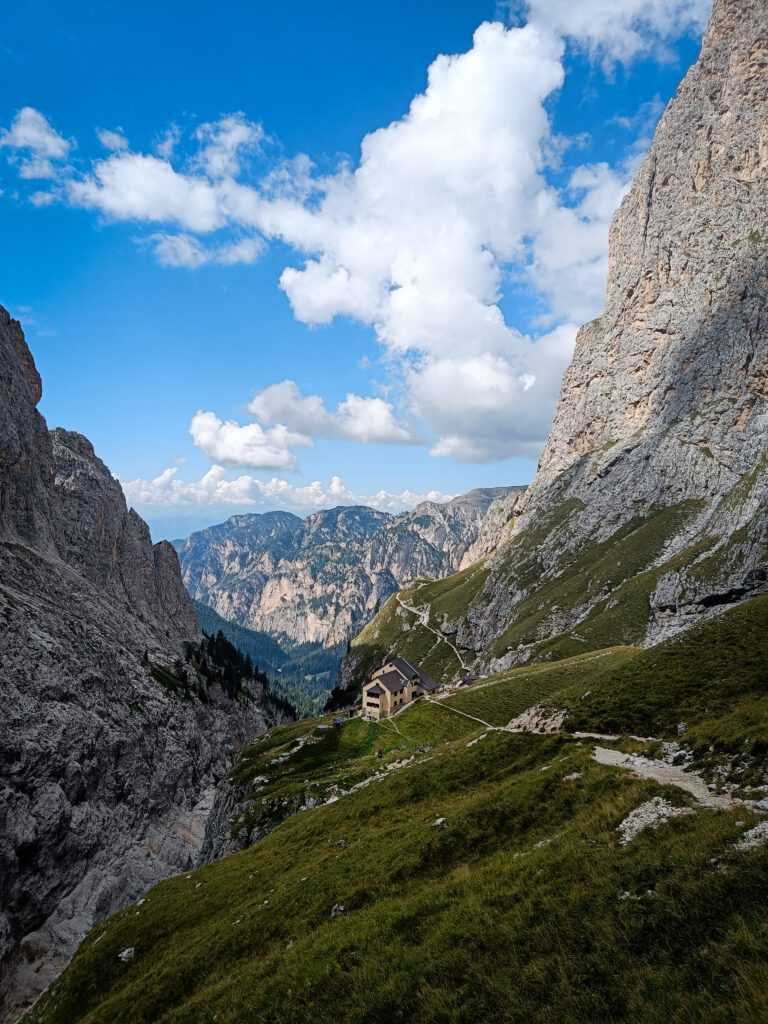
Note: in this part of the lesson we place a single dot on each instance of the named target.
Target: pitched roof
(409, 670)
(405, 668)
(374, 691)
(391, 681)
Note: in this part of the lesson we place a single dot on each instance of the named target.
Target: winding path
(666, 775)
(422, 614)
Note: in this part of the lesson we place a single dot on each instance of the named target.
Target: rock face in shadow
(648, 510)
(107, 768)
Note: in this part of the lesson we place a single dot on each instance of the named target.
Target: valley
(499, 758)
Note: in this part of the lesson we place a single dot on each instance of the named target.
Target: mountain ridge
(315, 580)
(111, 740)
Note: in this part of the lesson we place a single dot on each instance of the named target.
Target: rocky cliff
(108, 751)
(648, 510)
(320, 579)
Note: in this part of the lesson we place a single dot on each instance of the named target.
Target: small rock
(127, 954)
(755, 837)
(337, 910)
(441, 821)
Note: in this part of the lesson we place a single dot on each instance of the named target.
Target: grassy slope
(521, 907)
(714, 678)
(606, 587)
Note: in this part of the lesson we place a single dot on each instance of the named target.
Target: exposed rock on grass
(648, 815)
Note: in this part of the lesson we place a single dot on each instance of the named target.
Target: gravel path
(666, 774)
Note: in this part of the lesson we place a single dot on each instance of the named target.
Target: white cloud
(111, 140)
(42, 198)
(131, 186)
(368, 420)
(569, 256)
(250, 445)
(184, 250)
(476, 404)
(178, 250)
(212, 489)
(215, 490)
(32, 132)
(621, 31)
(223, 143)
(418, 238)
(168, 142)
(247, 250)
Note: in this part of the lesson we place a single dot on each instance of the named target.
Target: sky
(295, 256)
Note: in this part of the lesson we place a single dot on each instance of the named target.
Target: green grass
(604, 587)
(521, 908)
(714, 677)
(501, 698)
(614, 567)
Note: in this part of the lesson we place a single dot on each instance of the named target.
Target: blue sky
(438, 281)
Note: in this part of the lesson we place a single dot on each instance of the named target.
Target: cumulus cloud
(368, 420)
(417, 239)
(133, 186)
(225, 142)
(184, 250)
(42, 198)
(621, 31)
(215, 489)
(235, 444)
(286, 419)
(33, 134)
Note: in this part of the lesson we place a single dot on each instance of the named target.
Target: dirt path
(422, 614)
(447, 707)
(666, 774)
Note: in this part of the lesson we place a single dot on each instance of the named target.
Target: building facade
(392, 686)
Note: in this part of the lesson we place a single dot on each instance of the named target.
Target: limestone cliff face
(321, 579)
(665, 403)
(649, 506)
(26, 458)
(679, 356)
(106, 774)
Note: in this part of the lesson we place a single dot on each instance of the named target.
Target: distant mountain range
(306, 586)
(319, 580)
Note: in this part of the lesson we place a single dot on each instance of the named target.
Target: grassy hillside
(599, 594)
(522, 905)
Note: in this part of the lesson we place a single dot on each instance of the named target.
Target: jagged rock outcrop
(648, 509)
(106, 771)
(320, 579)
